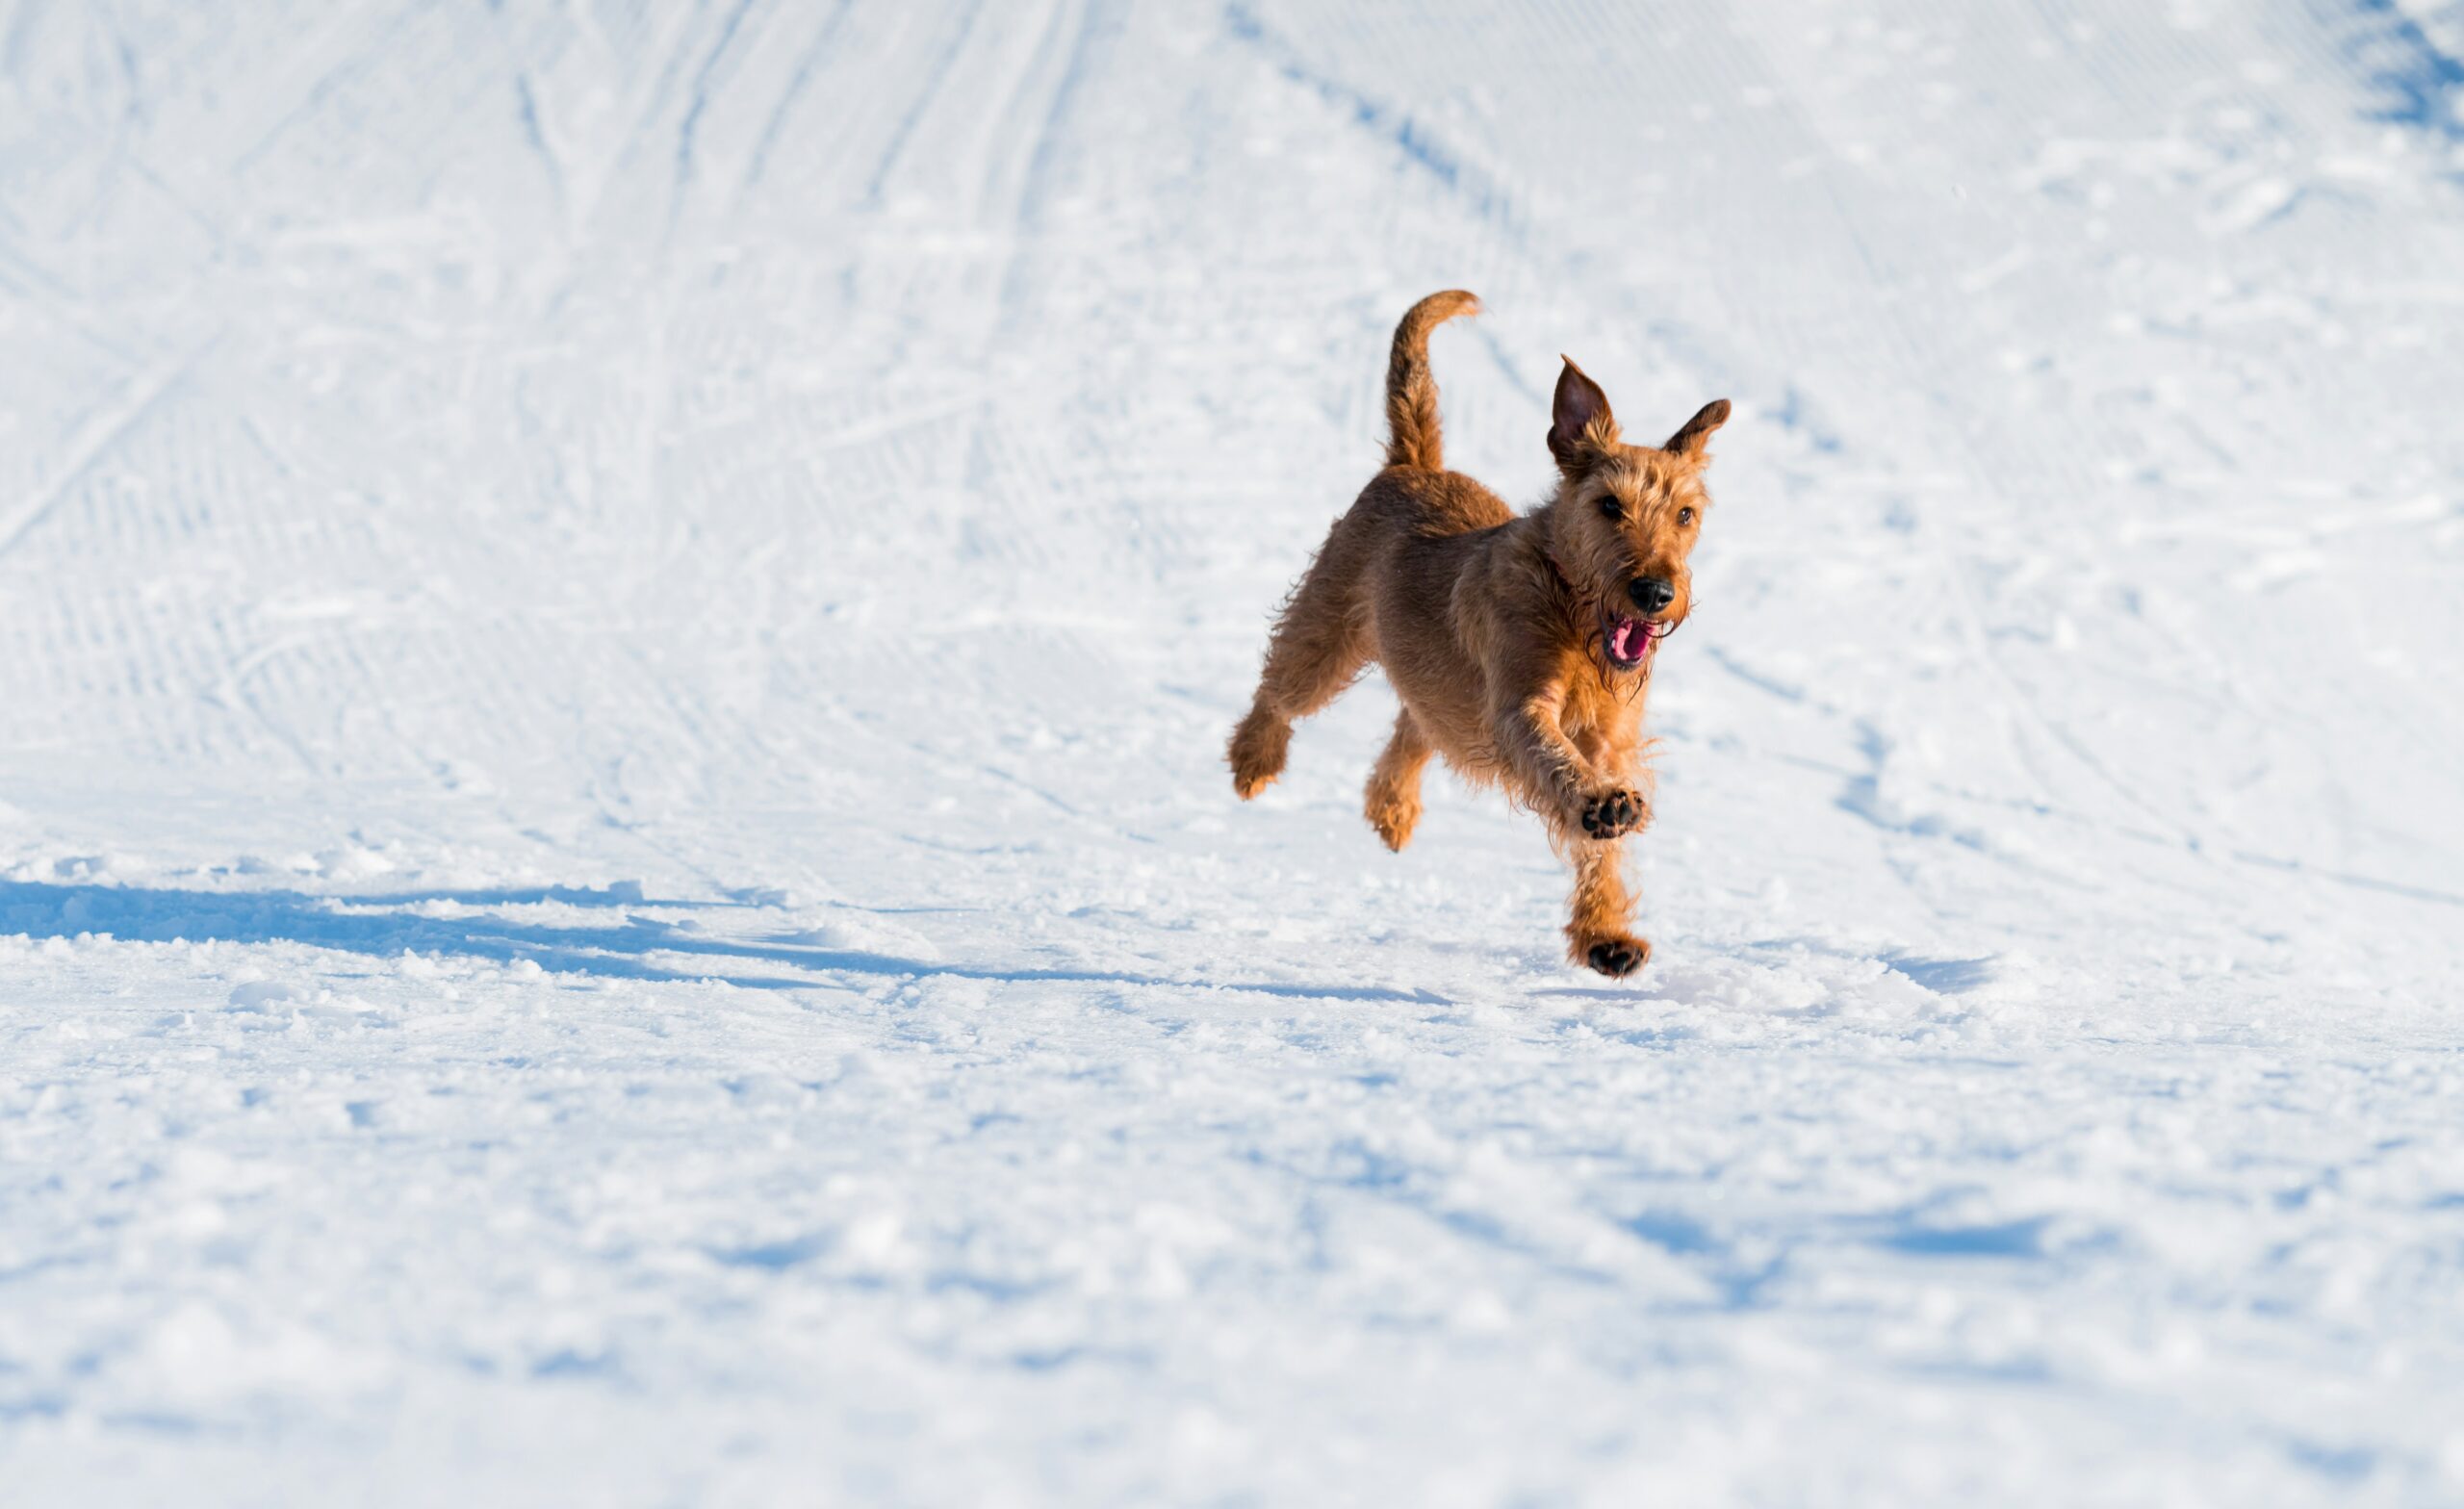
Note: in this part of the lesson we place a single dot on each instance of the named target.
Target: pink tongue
(1622, 646)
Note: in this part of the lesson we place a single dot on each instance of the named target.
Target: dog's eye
(1611, 507)
(1684, 516)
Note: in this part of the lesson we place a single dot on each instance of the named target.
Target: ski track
(615, 884)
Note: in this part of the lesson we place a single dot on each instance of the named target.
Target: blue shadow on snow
(617, 950)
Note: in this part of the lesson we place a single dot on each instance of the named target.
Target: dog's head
(1626, 517)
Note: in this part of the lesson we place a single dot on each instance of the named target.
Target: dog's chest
(1603, 716)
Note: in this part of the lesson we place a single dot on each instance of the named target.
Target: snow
(616, 884)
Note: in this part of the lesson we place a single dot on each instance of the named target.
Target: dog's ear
(1580, 428)
(1688, 442)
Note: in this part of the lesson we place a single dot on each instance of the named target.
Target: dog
(1520, 644)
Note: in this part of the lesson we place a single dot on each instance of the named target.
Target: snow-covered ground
(616, 625)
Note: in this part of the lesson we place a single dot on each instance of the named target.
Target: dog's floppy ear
(1581, 426)
(1688, 442)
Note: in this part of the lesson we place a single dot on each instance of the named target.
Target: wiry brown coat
(1496, 627)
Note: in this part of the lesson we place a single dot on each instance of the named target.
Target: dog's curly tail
(1411, 392)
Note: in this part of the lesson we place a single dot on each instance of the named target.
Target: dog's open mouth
(1630, 641)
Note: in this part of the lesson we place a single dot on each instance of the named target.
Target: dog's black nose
(1651, 594)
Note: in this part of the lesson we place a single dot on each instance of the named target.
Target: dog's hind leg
(1597, 934)
(1321, 642)
(1394, 800)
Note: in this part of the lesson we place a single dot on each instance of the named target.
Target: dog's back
(1383, 586)
(1407, 523)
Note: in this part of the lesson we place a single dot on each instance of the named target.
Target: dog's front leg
(1597, 929)
(1590, 812)
(1579, 801)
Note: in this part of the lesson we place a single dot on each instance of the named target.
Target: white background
(616, 884)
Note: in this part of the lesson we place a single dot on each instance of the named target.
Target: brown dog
(1521, 645)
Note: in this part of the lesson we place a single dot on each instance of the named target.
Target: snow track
(615, 884)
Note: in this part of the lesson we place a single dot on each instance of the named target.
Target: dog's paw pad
(1618, 814)
(1619, 957)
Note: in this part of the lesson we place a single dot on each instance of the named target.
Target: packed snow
(616, 879)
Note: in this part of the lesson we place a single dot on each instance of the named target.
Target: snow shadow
(627, 947)
(2418, 80)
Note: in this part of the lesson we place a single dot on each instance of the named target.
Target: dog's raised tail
(1411, 392)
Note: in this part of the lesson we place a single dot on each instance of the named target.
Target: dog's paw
(1618, 958)
(1614, 815)
(1394, 825)
(1257, 751)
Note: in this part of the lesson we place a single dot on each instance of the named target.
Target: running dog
(1520, 644)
